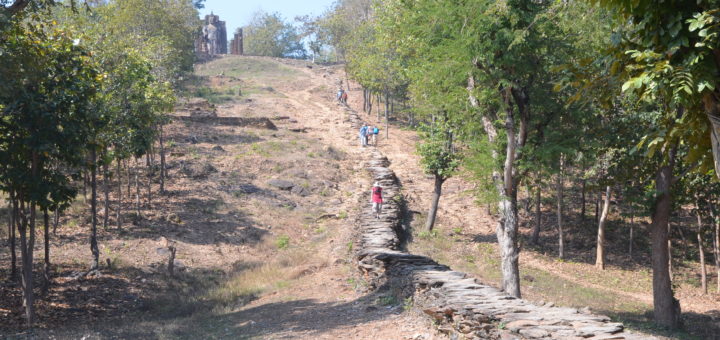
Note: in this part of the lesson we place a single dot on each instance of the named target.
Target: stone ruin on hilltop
(213, 38)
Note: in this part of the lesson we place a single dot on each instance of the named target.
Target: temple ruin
(236, 44)
(213, 39)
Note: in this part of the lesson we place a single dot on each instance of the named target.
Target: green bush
(283, 242)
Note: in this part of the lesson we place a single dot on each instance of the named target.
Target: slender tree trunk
(632, 226)
(670, 251)
(106, 193)
(600, 255)
(46, 266)
(370, 103)
(392, 107)
(118, 212)
(582, 199)
(364, 99)
(716, 243)
(129, 177)
(27, 244)
(387, 114)
(162, 160)
(666, 307)
(95, 264)
(538, 216)
(597, 207)
(11, 237)
(701, 249)
(560, 187)
(377, 100)
(85, 183)
(434, 203)
(347, 79)
(137, 187)
(56, 220)
(149, 183)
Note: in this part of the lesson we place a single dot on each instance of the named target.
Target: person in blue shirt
(363, 134)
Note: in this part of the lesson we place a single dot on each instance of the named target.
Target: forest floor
(262, 222)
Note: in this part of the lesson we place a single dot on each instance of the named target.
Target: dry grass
(247, 284)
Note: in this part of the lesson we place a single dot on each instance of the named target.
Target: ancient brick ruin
(236, 44)
(213, 39)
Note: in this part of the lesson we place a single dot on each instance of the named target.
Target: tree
(438, 158)
(269, 35)
(49, 83)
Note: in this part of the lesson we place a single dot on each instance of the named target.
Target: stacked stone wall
(459, 303)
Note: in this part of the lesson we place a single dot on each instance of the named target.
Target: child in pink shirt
(377, 200)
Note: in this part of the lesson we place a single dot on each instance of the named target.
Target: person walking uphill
(364, 135)
(377, 199)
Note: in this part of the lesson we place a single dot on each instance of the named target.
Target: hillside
(265, 181)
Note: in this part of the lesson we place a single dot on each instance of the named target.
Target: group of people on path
(369, 135)
(342, 96)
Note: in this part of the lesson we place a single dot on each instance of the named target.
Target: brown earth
(257, 261)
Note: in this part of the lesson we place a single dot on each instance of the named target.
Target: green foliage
(437, 152)
(282, 242)
(48, 82)
(269, 35)
(669, 60)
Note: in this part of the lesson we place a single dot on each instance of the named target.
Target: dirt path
(257, 261)
(329, 302)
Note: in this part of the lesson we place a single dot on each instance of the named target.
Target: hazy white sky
(237, 13)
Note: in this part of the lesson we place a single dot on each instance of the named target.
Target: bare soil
(257, 261)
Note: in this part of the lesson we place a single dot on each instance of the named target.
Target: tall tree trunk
(149, 182)
(377, 100)
(387, 114)
(370, 103)
(85, 183)
(162, 160)
(582, 199)
(137, 187)
(56, 220)
(27, 244)
(364, 99)
(106, 194)
(507, 238)
(129, 177)
(118, 212)
(597, 207)
(632, 226)
(507, 229)
(600, 254)
(46, 264)
(434, 203)
(11, 237)
(506, 183)
(716, 250)
(27, 247)
(560, 187)
(95, 264)
(666, 307)
(701, 249)
(670, 252)
(716, 242)
(538, 216)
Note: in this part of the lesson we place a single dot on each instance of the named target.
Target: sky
(237, 13)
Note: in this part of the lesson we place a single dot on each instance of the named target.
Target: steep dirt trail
(326, 302)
